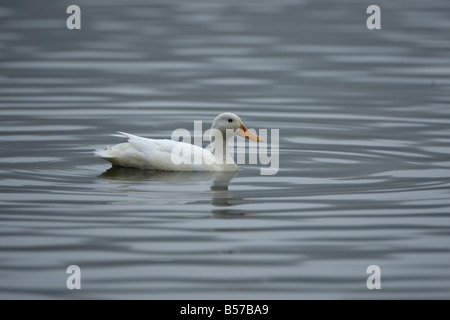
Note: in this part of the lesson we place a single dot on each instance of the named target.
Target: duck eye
(230, 120)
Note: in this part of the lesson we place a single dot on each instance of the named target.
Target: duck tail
(103, 153)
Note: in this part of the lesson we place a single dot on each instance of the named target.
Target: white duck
(164, 155)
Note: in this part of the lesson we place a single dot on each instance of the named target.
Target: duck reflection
(221, 197)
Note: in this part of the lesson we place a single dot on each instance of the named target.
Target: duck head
(230, 123)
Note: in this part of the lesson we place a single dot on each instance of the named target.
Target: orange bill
(244, 132)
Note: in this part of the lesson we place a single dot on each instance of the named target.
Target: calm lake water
(364, 120)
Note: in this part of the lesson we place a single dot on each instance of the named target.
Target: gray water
(364, 173)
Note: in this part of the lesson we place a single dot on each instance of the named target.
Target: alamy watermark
(374, 280)
(74, 20)
(223, 147)
(374, 21)
(74, 280)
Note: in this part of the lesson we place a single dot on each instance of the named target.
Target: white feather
(158, 154)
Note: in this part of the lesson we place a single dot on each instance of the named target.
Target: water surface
(364, 150)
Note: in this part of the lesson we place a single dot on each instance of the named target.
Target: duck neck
(220, 150)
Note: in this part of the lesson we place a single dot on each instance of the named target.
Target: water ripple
(364, 170)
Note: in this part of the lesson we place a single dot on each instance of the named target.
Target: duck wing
(157, 154)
